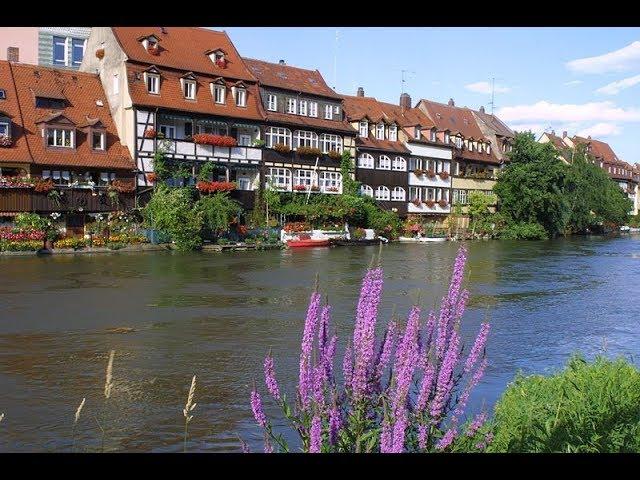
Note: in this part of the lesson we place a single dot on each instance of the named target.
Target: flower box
(212, 187)
(282, 148)
(444, 175)
(221, 63)
(43, 186)
(152, 177)
(215, 140)
(16, 182)
(150, 133)
(122, 186)
(332, 189)
(309, 151)
(295, 227)
(299, 188)
(416, 202)
(443, 203)
(335, 155)
(418, 172)
(430, 203)
(154, 49)
(315, 188)
(431, 173)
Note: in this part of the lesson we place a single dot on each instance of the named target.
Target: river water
(216, 316)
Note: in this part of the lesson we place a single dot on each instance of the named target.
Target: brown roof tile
(358, 108)
(386, 145)
(290, 78)
(84, 89)
(184, 48)
(452, 118)
(310, 122)
(19, 151)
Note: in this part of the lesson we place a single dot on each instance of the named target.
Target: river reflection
(216, 315)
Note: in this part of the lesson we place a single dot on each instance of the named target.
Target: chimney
(589, 137)
(553, 132)
(564, 134)
(482, 109)
(13, 54)
(281, 62)
(451, 103)
(360, 92)
(405, 101)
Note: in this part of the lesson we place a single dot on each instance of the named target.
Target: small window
(384, 163)
(393, 133)
(417, 133)
(433, 136)
(398, 194)
(302, 108)
(458, 141)
(98, 140)
(365, 161)
(291, 105)
(328, 112)
(488, 148)
(4, 129)
(380, 131)
(169, 131)
(241, 97)
(190, 89)
(382, 193)
(447, 139)
(366, 190)
(313, 109)
(219, 93)
(60, 51)
(364, 129)
(153, 83)
(77, 50)
(306, 139)
(60, 137)
(272, 103)
(329, 143)
(3, 94)
(399, 164)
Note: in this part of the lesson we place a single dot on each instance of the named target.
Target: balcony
(273, 156)
(188, 150)
(70, 199)
(424, 208)
(423, 180)
(306, 189)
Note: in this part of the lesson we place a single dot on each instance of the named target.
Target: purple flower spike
(423, 432)
(478, 347)
(347, 367)
(315, 440)
(447, 439)
(305, 384)
(270, 377)
(476, 424)
(335, 424)
(258, 411)
(386, 437)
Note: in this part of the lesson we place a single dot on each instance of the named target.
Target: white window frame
(417, 132)
(330, 180)
(169, 131)
(219, 93)
(458, 141)
(279, 177)
(399, 164)
(380, 131)
(189, 89)
(366, 190)
(152, 80)
(272, 102)
(328, 112)
(102, 141)
(60, 136)
(330, 142)
(415, 193)
(241, 97)
(384, 163)
(302, 107)
(447, 138)
(5, 126)
(275, 135)
(382, 193)
(363, 128)
(398, 194)
(433, 135)
(488, 148)
(306, 178)
(292, 105)
(313, 109)
(365, 160)
(393, 133)
(305, 138)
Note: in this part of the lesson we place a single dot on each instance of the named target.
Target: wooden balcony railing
(69, 199)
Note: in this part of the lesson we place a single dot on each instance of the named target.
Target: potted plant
(315, 188)
(444, 175)
(309, 151)
(150, 133)
(258, 143)
(431, 173)
(154, 49)
(152, 177)
(221, 63)
(299, 188)
(335, 155)
(443, 203)
(215, 140)
(430, 203)
(43, 186)
(416, 202)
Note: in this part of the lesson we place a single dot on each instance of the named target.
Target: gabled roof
(53, 91)
(60, 117)
(384, 145)
(358, 108)
(84, 89)
(456, 119)
(599, 149)
(495, 124)
(184, 48)
(291, 78)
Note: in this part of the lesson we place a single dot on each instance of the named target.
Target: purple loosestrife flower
(268, 448)
(335, 424)
(270, 377)
(315, 435)
(244, 446)
(478, 347)
(323, 331)
(306, 382)
(485, 442)
(258, 411)
(319, 381)
(347, 367)
(399, 428)
(450, 304)
(425, 387)
(386, 437)
(328, 356)
(475, 379)
(364, 341)
(462, 304)
(386, 349)
(445, 383)
(423, 432)
(476, 424)
(447, 439)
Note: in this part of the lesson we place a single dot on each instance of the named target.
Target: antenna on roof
(335, 59)
(493, 89)
(403, 79)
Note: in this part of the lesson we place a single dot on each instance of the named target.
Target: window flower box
(150, 133)
(430, 203)
(152, 177)
(5, 141)
(221, 63)
(43, 186)
(315, 188)
(418, 172)
(444, 175)
(16, 182)
(215, 140)
(299, 188)
(122, 186)
(431, 173)
(281, 148)
(309, 151)
(154, 49)
(416, 202)
(335, 155)
(212, 187)
(332, 189)
(443, 203)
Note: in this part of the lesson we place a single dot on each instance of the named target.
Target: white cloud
(556, 112)
(614, 88)
(616, 61)
(525, 127)
(600, 130)
(485, 87)
(573, 83)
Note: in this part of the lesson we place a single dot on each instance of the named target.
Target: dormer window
(5, 127)
(240, 94)
(458, 141)
(150, 44)
(469, 145)
(417, 132)
(447, 138)
(218, 57)
(393, 133)
(189, 86)
(433, 135)
(380, 131)
(218, 91)
(98, 140)
(152, 80)
(60, 137)
(364, 128)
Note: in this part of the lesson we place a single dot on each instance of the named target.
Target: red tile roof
(556, 141)
(598, 149)
(452, 118)
(358, 108)
(172, 97)
(184, 48)
(83, 90)
(290, 78)
(310, 122)
(498, 126)
(19, 151)
(386, 145)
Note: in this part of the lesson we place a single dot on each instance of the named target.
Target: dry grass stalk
(77, 417)
(1, 416)
(190, 405)
(108, 385)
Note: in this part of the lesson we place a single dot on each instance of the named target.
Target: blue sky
(584, 80)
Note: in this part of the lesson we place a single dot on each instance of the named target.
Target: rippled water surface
(216, 315)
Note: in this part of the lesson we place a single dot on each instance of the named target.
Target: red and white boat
(308, 242)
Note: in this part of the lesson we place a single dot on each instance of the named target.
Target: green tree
(531, 187)
(479, 213)
(349, 185)
(217, 211)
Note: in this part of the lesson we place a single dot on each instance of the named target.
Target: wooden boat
(421, 239)
(309, 242)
